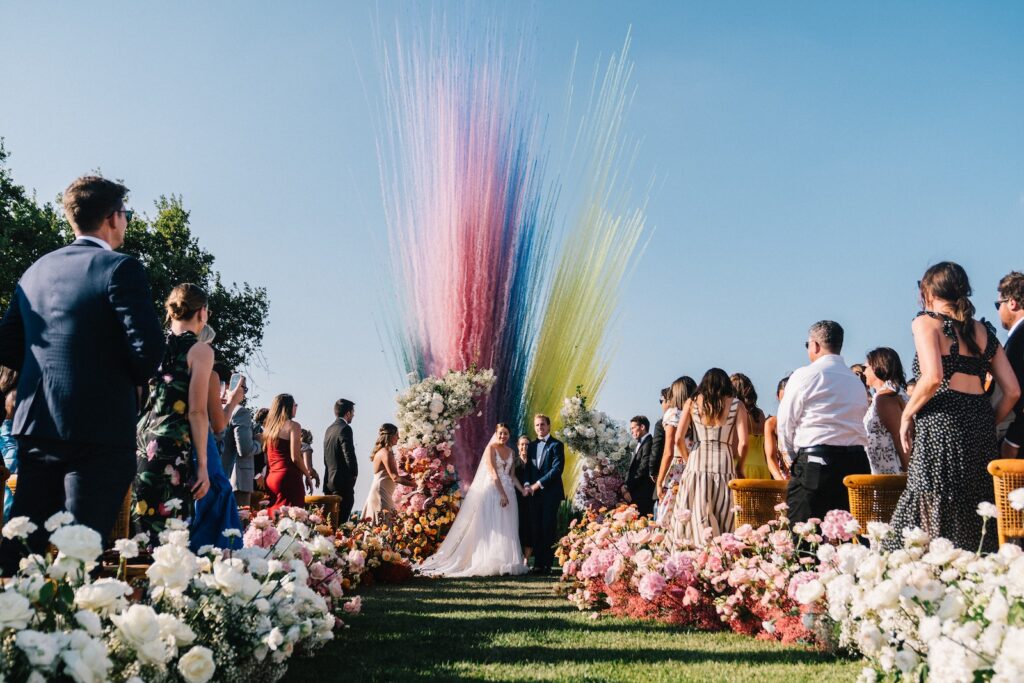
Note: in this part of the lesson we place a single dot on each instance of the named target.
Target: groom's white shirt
(542, 447)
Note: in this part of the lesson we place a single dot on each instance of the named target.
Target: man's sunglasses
(128, 213)
(1000, 303)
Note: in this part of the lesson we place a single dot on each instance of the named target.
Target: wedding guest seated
(778, 462)
(882, 421)
(283, 442)
(821, 420)
(381, 498)
(755, 466)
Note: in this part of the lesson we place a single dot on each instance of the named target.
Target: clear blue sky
(812, 160)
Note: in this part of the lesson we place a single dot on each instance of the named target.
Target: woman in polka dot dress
(949, 426)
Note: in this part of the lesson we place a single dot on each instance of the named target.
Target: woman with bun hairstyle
(176, 418)
(381, 498)
(948, 425)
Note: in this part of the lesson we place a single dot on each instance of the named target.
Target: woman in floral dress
(175, 418)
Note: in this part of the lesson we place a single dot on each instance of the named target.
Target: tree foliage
(166, 247)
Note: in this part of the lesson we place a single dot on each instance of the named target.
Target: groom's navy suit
(83, 332)
(544, 510)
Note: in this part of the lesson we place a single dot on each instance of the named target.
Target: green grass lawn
(503, 629)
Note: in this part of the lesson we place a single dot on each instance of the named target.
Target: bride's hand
(504, 500)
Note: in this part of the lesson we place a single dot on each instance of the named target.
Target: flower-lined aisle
(926, 610)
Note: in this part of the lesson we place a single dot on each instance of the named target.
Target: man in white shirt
(1010, 307)
(821, 422)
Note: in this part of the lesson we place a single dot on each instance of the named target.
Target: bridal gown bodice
(484, 540)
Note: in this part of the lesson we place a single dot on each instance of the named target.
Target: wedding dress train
(484, 540)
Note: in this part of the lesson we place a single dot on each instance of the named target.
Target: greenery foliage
(167, 248)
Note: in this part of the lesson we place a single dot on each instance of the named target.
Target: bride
(484, 540)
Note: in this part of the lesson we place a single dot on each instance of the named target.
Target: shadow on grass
(444, 629)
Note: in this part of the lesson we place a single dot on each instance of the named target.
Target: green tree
(27, 230)
(166, 247)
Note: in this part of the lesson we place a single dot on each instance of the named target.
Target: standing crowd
(961, 409)
(84, 355)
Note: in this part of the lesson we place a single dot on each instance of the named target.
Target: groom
(544, 465)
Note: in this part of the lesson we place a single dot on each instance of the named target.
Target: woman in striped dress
(720, 422)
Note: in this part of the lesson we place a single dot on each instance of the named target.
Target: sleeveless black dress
(954, 440)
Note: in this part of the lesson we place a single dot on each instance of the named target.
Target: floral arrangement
(928, 610)
(233, 616)
(925, 611)
(428, 415)
(602, 444)
(382, 550)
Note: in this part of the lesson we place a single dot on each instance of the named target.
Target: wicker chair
(873, 497)
(123, 525)
(756, 500)
(331, 506)
(1007, 476)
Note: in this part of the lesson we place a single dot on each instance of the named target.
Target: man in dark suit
(1011, 314)
(340, 457)
(82, 330)
(544, 466)
(639, 482)
(658, 439)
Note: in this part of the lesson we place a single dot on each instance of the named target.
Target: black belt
(829, 450)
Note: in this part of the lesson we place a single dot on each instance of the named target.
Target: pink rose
(651, 586)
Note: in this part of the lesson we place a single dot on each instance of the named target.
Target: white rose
(274, 639)
(987, 510)
(952, 606)
(40, 648)
(90, 621)
(19, 527)
(102, 596)
(883, 596)
(57, 520)
(196, 665)
(78, 542)
(15, 610)
(173, 567)
(810, 592)
(172, 627)
(138, 624)
(1016, 498)
(126, 548)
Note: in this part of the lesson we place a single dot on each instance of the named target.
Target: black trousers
(643, 498)
(544, 509)
(817, 482)
(348, 501)
(87, 480)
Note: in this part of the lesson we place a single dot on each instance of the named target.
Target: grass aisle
(502, 629)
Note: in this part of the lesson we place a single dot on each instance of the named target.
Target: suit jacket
(1015, 352)
(339, 459)
(657, 448)
(238, 440)
(638, 477)
(82, 330)
(549, 473)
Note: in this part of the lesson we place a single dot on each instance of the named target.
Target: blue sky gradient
(811, 160)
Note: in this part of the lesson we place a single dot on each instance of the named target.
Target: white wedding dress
(484, 540)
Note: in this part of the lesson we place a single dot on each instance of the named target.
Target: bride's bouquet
(601, 444)
(428, 415)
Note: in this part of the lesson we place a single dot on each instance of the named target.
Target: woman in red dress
(282, 439)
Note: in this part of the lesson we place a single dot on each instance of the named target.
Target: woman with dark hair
(949, 426)
(282, 438)
(884, 373)
(672, 457)
(755, 465)
(778, 461)
(381, 498)
(720, 422)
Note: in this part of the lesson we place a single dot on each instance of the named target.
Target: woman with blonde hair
(948, 425)
(282, 438)
(381, 498)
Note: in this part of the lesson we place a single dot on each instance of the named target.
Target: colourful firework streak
(473, 227)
